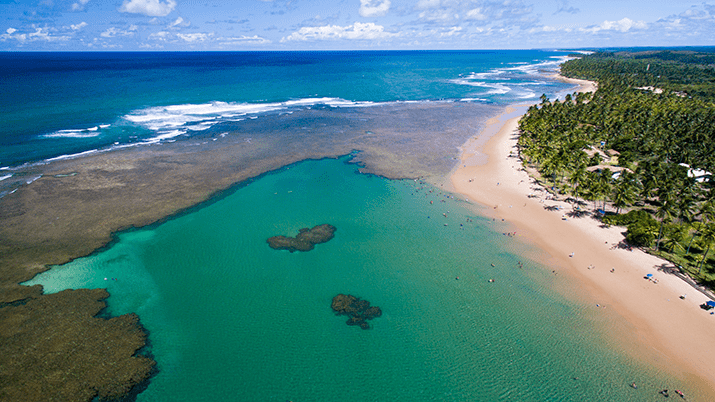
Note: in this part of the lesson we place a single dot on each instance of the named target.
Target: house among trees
(699, 174)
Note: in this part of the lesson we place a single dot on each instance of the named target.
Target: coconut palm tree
(665, 214)
(624, 191)
(675, 234)
(707, 237)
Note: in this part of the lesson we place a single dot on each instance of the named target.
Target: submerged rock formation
(305, 240)
(358, 310)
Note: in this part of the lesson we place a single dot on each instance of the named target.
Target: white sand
(673, 333)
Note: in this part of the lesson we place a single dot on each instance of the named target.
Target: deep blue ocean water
(55, 104)
(231, 319)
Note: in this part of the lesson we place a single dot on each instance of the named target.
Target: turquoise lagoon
(230, 319)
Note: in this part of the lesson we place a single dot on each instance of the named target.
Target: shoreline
(669, 332)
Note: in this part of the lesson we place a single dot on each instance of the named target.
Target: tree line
(641, 149)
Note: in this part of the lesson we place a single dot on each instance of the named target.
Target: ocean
(230, 318)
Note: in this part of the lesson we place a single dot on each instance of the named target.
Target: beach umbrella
(649, 275)
(710, 303)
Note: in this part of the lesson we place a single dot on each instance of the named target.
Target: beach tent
(710, 303)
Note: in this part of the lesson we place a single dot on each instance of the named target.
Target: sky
(188, 25)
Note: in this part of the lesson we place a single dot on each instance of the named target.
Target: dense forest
(641, 149)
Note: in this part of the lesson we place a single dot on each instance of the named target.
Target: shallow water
(231, 319)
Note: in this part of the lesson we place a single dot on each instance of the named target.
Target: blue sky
(351, 24)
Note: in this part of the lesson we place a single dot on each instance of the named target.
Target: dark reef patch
(305, 240)
(77, 205)
(358, 311)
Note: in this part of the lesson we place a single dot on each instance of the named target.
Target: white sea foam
(75, 133)
(527, 95)
(166, 136)
(32, 179)
(7, 176)
(72, 156)
(175, 120)
(493, 79)
(495, 88)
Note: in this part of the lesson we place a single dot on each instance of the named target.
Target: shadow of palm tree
(668, 268)
(576, 214)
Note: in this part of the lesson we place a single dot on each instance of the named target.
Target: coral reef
(358, 310)
(305, 240)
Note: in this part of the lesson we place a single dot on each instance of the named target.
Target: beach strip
(671, 332)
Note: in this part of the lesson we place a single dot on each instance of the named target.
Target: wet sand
(651, 322)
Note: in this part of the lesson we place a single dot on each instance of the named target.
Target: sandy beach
(659, 326)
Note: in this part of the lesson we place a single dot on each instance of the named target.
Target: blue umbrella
(710, 303)
(649, 275)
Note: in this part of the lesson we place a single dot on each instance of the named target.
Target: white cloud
(43, 34)
(79, 6)
(565, 7)
(243, 40)
(695, 20)
(76, 27)
(114, 32)
(151, 8)
(195, 37)
(160, 36)
(475, 14)
(10, 34)
(180, 23)
(622, 25)
(357, 31)
(444, 16)
(548, 28)
(427, 4)
(374, 8)
(451, 32)
(40, 35)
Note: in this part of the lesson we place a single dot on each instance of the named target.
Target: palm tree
(695, 225)
(675, 235)
(588, 188)
(624, 193)
(665, 214)
(604, 185)
(707, 236)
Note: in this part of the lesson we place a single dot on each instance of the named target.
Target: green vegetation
(643, 143)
